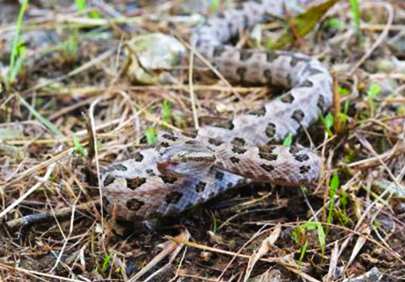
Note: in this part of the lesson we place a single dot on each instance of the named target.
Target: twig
(34, 218)
(192, 95)
(94, 136)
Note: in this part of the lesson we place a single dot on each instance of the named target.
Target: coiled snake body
(184, 171)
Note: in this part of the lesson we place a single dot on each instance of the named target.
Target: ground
(68, 77)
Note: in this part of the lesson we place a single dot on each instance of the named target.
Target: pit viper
(183, 171)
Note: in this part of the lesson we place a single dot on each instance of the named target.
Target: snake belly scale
(181, 172)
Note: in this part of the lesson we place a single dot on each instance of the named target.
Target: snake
(185, 170)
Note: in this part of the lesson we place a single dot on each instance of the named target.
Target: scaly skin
(182, 172)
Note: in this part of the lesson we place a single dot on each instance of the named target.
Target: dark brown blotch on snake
(173, 197)
(270, 130)
(135, 182)
(138, 157)
(200, 186)
(134, 204)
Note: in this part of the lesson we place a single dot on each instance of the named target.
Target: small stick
(34, 218)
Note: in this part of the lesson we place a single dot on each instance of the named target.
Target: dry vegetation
(69, 83)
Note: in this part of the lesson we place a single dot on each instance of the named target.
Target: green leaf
(373, 91)
(377, 224)
(303, 23)
(78, 147)
(151, 136)
(15, 70)
(350, 156)
(214, 6)
(334, 185)
(296, 234)
(95, 15)
(21, 49)
(310, 225)
(343, 218)
(303, 252)
(346, 107)
(166, 111)
(400, 109)
(344, 198)
(81, 5)
(16, 60)
(356, 16)
(335, 24)
(343, 91)
(288, 140)
(105, 263)
(270, 44)
(320, 231)
(329, 120)
(343, 117)
(98, 144)
(327, 123)
(72, 45)
(321, 237)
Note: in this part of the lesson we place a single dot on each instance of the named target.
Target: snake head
(183, 163)
(184, 158)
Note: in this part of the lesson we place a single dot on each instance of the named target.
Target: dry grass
(72, 90)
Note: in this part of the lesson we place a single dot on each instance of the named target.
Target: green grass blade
(328, 122)
(166, 111)
(78, 147)
(354, 5)
(303, 252)
(334, 185)
(288, 140)
(321, 237)
(52, 128)
(151, 136)
(15, 64)
(214, 6)
(81, 5)
(106, 262)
